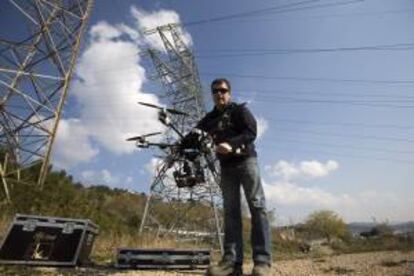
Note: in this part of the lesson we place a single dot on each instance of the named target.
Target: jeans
(247, 175)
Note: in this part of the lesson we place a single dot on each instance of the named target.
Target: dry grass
(4, 225)
(107, 243)
(104, 253)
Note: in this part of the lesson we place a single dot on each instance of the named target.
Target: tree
(327, 224)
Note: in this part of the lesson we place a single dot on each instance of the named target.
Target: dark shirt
(234, 125)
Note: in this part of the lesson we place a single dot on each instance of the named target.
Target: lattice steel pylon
(38, 52)
(192, 212)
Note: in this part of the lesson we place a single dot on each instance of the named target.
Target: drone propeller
(142, 137)
(172, 111)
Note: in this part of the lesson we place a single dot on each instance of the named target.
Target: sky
(330, 83)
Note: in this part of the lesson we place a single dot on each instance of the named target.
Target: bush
(327, 224)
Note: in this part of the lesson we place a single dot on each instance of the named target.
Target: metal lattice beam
(35, 73)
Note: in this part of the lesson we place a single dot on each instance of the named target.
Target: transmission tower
(192, 212)
(37, 57)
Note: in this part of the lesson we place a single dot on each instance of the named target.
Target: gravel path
(375, 263)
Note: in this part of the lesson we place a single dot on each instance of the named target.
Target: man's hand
(224, 148)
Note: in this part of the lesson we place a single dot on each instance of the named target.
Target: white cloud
(110, 83)
(305, 169)
(72, 144)
(129, 180)
(380, 205)
(317, 169)
(105, 177)
(104, 31)
(294, 201)
(152, 169)
(287, 193)
(262, 126)
(152, 165)
(90, 177)
(109, 97)
(147, 21)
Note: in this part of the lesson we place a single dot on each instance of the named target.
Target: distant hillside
(113, 209)
(358, 227)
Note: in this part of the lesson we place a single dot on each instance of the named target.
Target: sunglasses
(220, 90)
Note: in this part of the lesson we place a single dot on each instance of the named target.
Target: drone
(142, 142)
(186, 153)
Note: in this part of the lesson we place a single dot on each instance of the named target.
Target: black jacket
(234, 125)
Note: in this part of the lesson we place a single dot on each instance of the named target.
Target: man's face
(221, 94)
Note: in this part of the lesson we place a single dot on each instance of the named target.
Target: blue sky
(330, 85)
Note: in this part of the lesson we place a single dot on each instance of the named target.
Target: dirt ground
(375, 263)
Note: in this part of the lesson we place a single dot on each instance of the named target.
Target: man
(234, 129)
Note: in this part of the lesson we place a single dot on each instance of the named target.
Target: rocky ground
(374, 263)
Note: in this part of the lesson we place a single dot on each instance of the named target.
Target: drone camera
(189, 176)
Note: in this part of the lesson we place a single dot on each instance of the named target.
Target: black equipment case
(163, 258)
(49, 241)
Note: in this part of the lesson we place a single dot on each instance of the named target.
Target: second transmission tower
(193, 212)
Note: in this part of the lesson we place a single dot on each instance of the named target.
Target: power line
(310, 79)
(225, 53)
(334, 97)
(332, 15)
(395, 98)
(374, 149)
(276, 99)
(291, 100)
(266, 92)
(345, 135)
(255, 52)
(257, 12)
(370, 158)
(282, 99)
(342, 124)
(318, 133)
(96, 84)
(297, 6)
(288, 78)
(274, 145)
(104, 103)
